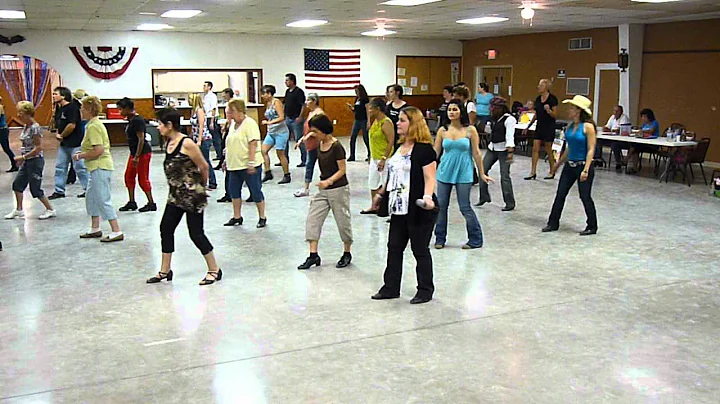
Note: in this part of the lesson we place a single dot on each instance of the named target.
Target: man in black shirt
(138, 164)
(70, 134)
(294, 103)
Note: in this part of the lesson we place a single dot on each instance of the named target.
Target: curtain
(27, 79)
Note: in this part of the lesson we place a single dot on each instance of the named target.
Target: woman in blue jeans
(312, 103)
(201, 134)
(361, 120)
(460, 147)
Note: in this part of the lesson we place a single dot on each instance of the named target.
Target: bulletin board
(427, 75)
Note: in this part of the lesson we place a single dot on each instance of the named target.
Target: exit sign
(492, 54)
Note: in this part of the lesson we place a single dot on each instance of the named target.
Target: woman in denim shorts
(31, 163)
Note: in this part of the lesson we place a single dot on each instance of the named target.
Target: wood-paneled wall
(679, 77)
(435, 72)
(540, 55)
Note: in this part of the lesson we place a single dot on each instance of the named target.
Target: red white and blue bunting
(104, 62)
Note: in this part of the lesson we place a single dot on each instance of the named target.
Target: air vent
(578, 86)
(580, 44)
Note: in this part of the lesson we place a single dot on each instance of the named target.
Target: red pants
(142, 171)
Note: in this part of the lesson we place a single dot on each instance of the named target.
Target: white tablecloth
(659, 142)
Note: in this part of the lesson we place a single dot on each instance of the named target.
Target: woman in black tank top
(395, 104)
(187, 172)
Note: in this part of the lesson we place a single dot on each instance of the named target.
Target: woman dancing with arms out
(187, 173)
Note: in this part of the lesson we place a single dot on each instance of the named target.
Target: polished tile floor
(627, 316)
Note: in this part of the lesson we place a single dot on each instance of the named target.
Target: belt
(576, 163)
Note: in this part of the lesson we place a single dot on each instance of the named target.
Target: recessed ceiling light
(482, 20)
(146, 13)
(307, 23)
(12, 14)
(180, 13)
(378, 32)
(152, 27)
(408, 3)
(654, 1)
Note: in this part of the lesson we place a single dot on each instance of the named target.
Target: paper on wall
(413, 81)
(400, 71)
(408, 90)
(424, 87)
(402, 82)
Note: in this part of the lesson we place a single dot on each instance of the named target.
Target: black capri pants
(170, 221)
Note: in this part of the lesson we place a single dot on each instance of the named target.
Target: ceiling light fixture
(482, 20)
(152, 27)
(9, 57)
(527, 13)
(12, 14)
(378, 32)
(180, 13)
(654, 1)
(307, 23)
(146, 13)
(408, 3)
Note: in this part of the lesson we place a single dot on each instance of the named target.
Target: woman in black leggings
(187, 172)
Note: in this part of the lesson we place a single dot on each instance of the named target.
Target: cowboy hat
(580, 102)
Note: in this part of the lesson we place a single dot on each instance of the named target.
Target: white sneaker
(15, 213)
(47, 215)
(302, 192)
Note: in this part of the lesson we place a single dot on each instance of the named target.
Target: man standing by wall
(210, 105)
(294, 102)
(70, 134)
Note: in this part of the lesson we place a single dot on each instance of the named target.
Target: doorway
(498, 78)
(607, 91)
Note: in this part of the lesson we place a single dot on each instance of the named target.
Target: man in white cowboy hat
(580, 139)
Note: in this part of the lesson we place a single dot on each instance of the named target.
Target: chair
(696, 156)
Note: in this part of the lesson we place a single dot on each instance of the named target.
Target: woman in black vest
(500, 148)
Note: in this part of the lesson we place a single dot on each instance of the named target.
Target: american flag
(332, 69)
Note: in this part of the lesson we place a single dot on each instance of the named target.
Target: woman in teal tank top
(580, 140)
(460, 149)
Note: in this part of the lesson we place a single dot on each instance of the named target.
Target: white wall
(275, 54)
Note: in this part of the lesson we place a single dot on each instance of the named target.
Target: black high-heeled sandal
(160, 277)
(217, 276)
(532, 177)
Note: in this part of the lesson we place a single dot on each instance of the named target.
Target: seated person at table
(613, 125)
(650, 130)
(528, 113)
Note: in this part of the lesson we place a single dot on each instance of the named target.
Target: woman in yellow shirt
(243, 161)
(381, 138)
(95, 150)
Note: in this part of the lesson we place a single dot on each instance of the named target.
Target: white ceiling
(349, 17)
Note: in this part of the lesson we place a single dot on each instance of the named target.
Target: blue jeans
(205, 148)
(357, 127)
(5, 143)
(297, 131)
(312, 157)
(64, 158)
(474, 231)
(216, 136)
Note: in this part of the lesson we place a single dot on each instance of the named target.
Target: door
(499, 79)
(608, 95)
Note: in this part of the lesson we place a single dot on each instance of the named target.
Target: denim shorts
(30, 173)
(98, 201)
(279, 140)
(254, 182)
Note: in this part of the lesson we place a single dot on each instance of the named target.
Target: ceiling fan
(528, 8)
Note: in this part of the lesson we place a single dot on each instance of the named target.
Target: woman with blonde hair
(201, 134)
(243, 161)
(95, 150)
(546, 113)
(31, 161)
(410, 193)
